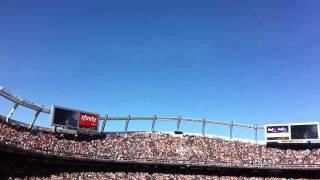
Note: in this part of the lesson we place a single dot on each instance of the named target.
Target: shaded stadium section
(22, 164)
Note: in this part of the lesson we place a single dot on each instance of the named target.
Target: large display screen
(292, 133)
(70, 118)
(65, 117)
(309, 131)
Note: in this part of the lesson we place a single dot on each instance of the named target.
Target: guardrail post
(178, 123)
(12, 111)
(34, 118)
(231, 129)
(204, 126)
(153, 122)
(127, 124)
(256, 133)
(104, 122)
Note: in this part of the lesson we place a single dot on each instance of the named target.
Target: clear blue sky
(248, 61)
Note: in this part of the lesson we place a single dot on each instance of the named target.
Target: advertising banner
(277, 132)
(89, 121)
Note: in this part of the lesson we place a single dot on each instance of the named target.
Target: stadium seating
(155, 146)
(148, 176)
(151, 147)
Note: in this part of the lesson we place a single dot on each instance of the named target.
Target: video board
(295, 133)
(304, 131)
(75, 119)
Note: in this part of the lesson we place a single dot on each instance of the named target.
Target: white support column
(35, 118)
(12, 111)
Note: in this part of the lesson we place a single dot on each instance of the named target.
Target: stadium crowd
(153, 147)
(146, 176)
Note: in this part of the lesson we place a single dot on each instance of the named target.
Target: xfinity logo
(87, 117)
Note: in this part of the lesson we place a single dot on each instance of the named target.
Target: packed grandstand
(42, 153)
(154, 146)
(151, 147)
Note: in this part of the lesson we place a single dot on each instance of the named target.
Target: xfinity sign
(74, 119)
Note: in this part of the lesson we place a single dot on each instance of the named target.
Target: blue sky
(252, 62)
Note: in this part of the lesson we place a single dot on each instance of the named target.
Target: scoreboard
(306, 131)
(292, 133)
(74, 119)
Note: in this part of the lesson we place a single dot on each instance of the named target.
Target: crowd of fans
(153, 147)
(146, 176)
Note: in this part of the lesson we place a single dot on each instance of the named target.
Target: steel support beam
(12, 111)
(153, 123)
(34, 119)
(178, 123)
(127, 124)
(104, 123)
(256, 133)
(204, 126)
(231, 129)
